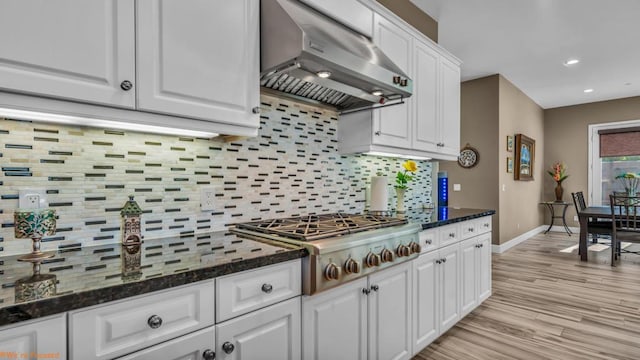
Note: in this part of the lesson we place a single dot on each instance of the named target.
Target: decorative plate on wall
(468, 157)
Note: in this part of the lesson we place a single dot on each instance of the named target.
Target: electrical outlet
(207, 198)
(32, 199)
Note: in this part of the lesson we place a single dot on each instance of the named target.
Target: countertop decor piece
(93, 275)
(131, 230)
(34, 224)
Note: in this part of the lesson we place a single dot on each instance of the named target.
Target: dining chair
(594, 227)
(625, 216)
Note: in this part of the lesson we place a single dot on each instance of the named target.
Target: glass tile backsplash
(291, 168)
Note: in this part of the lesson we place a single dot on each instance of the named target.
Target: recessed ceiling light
(377, 93)
(324, 74)
(571, 62)
(588, 90)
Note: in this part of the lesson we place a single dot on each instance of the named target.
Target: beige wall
(491, 109)
(479, 128)
(519, 209)
(566, 140)
(414, 16)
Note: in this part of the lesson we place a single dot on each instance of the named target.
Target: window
(615, 149)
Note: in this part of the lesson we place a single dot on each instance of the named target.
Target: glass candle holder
(34, 224)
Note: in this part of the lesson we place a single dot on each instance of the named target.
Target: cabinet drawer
(429, 240)
(448, 234)
(250, 290)
(468, 229)
(112, 330)
(191, 346)
(483, 225)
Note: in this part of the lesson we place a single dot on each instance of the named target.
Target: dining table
(594, 213)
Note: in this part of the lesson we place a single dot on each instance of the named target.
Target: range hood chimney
(306, 55)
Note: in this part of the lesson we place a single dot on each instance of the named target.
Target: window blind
(619, 142)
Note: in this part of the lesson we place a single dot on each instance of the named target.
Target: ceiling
(527, 41)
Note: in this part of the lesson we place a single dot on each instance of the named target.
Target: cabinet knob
(377, 133)
(481, 245)
(267, 288)
(256, 110)
(444, 260)
(126, 85)
(375, 287)
(452, 235)
(228, 347)
(428, 241)
(208, 354)
(486, 225)
(470, 229)
(438, 261)
(366, 291)
(154, 321)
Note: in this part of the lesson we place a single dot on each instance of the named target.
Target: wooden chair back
(578, 201)
(625, 214)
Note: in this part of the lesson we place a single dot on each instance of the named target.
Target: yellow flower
(410, 165)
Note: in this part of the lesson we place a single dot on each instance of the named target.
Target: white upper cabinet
(428, 123)
(449, 124)
(392, 125)
(68, 49)
(199, 59)
(426, 109)
(191, 65)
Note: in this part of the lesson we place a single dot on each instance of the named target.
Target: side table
(551, 206)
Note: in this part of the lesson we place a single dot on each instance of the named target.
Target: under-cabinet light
(404, 156)
(324, 74)
(571, 62)
(588, 90)
(101, 123)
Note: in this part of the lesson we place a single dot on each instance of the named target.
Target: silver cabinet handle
(228, 347)
(428, 241)
(267, 288)
(208, 355)
(126, 85)
(256, 110)
(377, 133)
(154, 321)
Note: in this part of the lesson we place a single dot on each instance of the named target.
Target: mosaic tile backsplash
(291, 168)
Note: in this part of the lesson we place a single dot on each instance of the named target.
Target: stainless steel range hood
(300, 47)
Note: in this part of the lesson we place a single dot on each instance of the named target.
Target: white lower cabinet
(44, 337)
(195, 346)
(345, 323)
(272, 333)
(449, 282)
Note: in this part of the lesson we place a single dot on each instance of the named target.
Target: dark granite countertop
(94, 275)
(430, 218)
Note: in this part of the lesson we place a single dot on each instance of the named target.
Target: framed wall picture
(509, 143)
(509, 164)
(524, 158)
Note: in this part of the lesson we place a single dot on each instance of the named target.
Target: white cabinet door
(44, 337)
(425, 300)
(469, 252)
(199, 59)
(334, 323)
(425, 97)
(272, 333)
(483, 263)
(390, 313)
(449, 287)
(79, 50)
(188, 347)
(392, 126)
(450, 110)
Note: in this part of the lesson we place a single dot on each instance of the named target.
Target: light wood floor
(548, 305)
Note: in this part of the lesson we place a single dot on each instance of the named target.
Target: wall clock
(468, 157)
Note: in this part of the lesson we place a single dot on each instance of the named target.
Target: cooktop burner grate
(314, 227)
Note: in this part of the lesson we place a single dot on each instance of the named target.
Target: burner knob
(332, 272)
(403, 250)
(351, 266)
(415, 248)
(386, 255)
(372, 260)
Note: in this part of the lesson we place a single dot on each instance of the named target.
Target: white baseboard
(518, 239)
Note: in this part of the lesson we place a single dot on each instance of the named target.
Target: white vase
(400, 198)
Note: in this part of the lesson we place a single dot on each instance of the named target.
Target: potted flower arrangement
(559, 173)
(630, 182)
(402, 179)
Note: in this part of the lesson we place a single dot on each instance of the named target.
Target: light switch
(504, 187)
(457, 187)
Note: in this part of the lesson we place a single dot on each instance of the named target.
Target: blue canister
(443, 189)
